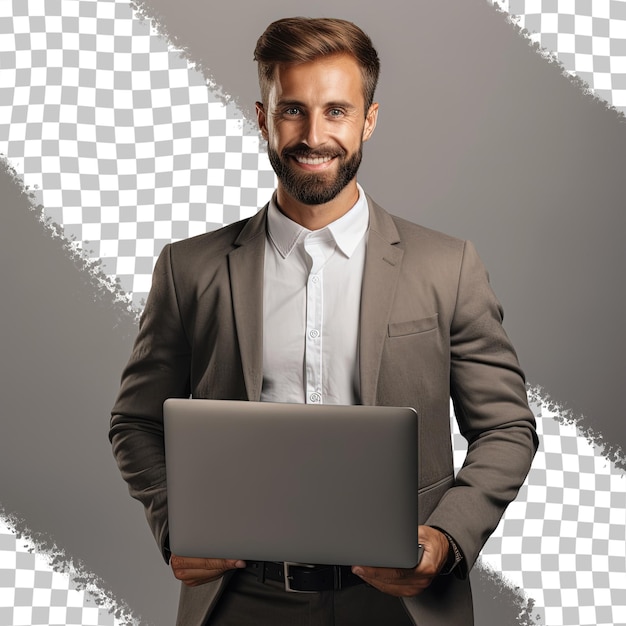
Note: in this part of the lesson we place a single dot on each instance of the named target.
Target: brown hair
(295, 40)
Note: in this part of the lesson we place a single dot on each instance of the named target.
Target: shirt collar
(347, 231)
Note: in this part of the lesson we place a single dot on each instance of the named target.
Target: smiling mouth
(312, 160)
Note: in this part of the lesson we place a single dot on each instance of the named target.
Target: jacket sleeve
(158, 369)
(490, 403)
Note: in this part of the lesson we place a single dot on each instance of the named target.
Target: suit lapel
(382, 268)
(246, 262)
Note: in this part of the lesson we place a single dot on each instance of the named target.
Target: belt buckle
(286, 566)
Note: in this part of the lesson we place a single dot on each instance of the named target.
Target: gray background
(478, 136)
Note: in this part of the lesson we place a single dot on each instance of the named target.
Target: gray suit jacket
(430, 329)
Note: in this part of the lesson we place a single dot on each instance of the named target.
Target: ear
(261, 118)
(370, 121)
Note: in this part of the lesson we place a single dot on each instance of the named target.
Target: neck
(316, 216)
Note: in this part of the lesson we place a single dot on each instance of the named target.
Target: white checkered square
(563, 540)
(32, 592)
(107, 121)
(129, 150)
(588, 39)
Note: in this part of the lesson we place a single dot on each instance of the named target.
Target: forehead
(329, 78)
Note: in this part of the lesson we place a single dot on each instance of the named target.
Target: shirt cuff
(455, 556)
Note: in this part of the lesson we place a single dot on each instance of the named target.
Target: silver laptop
(292, 482)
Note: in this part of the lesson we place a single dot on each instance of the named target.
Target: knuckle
(412, 592)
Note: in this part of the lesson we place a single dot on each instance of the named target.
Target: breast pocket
(413, 327)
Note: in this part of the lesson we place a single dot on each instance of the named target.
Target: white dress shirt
(311, 304)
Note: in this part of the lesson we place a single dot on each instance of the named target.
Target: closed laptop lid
(292, 482)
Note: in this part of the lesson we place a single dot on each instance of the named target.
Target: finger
(198, 571)
(180, 562)
(405, 588)
(389, 575)
(396, 582)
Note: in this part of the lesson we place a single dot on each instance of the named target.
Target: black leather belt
(304, 578)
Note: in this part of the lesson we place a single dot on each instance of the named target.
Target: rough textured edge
(105, 289)
(110, 294)
(551, 57)
(503, 598)
(144, 13)
(81, 578)
(565, 415)
(536, 393)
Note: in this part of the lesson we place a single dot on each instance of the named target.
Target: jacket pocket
(400, 329)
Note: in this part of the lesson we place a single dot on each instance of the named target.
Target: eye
(292, 111)
(335, 112)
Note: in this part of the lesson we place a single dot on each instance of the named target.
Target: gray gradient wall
(478, 136)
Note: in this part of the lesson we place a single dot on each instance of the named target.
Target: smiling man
(315, 125)
(324, 297)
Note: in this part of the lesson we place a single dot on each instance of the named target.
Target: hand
(197, 571)
(410, 582)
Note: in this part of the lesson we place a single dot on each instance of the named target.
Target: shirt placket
(318, 252)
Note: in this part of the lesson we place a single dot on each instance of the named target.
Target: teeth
(313, 160)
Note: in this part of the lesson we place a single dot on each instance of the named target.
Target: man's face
(315, 124)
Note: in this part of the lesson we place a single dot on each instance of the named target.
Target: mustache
(303, 150)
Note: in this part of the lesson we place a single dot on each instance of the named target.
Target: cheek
(283, 135)
(353, 135)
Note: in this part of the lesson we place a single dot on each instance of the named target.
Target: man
(325, 297)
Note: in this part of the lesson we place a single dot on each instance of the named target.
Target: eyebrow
(339, 104)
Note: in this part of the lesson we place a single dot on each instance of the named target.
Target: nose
(314, 130)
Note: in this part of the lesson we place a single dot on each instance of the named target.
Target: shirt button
(315, 280)
(315, 397)
(314, 333)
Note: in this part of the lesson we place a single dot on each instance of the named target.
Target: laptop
(292, 482)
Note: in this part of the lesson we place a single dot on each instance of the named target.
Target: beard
(314, 188)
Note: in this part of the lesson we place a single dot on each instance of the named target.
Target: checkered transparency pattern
(128, 149)
(126, 145)
(588, 37)
(563, 540)
(31, 592)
